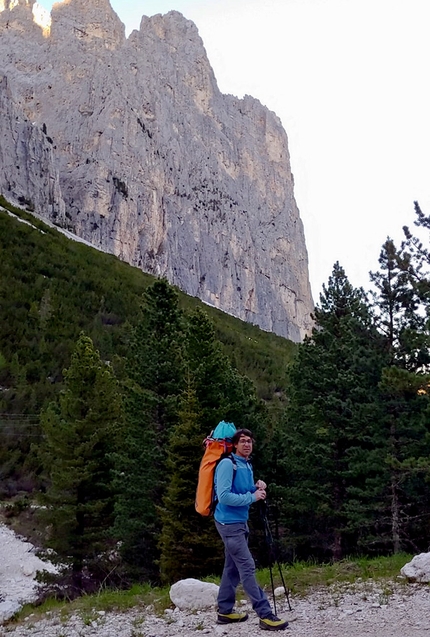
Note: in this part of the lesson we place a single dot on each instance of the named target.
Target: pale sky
(349, 80)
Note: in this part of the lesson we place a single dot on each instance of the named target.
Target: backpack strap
(234, 463)
(232, 458)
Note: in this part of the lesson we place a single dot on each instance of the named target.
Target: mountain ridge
(154, 164)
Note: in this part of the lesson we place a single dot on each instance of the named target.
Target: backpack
(218, 445)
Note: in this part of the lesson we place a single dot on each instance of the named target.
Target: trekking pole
(269, 540)
(267, 536)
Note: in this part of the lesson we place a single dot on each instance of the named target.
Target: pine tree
(215, 391)
(136, 523)
(209, 368)
(329, 425)
(80, 433)
(223, 393)
(189, 544)
(155, 368)
(397, 307)
(416, 263)
(402, 316)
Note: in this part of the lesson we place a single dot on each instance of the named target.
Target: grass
(87, 606)
(300, 578)
(98, 293)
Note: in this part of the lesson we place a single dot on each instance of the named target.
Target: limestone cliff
(28, 173)
(155, 164)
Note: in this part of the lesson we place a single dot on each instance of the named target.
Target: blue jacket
(235, 494)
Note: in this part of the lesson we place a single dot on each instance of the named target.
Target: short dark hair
(239, 433)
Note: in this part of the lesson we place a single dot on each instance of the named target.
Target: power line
(19, 417)
(20, 426)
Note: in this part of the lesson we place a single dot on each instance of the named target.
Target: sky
(349, 80)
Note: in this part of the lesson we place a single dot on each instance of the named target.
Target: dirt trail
(364, 609)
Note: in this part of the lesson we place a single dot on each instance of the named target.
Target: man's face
(244, 447)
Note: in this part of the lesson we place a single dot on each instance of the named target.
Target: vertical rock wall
(156, 165)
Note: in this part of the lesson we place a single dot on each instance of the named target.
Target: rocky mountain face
(28, 171)
(129, 143)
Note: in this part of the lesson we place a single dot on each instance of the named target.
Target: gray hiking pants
(239, 566)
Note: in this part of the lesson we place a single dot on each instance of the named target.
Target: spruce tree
(402, 315)
(329, 426)
(416, 263)
(209, 368)
(190, 545)
(81, 431)
(155, 381)
(223, 393)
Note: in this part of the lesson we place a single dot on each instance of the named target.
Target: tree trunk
(337, 546)
(395, 514)
(395, 511)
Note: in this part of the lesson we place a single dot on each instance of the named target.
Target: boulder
(8, 610)
(418, 569)
(19, 565)
(193, 595)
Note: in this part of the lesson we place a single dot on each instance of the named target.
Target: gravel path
(365, 609)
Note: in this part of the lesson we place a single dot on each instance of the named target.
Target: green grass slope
(52, 288)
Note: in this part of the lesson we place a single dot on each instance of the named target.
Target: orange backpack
(217, 445)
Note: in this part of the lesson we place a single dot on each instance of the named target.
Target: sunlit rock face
(28, 173)
(155, 164)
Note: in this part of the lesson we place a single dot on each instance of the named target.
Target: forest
(110, 379)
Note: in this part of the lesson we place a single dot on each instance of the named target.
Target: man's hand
(260, 484)
(260, 494)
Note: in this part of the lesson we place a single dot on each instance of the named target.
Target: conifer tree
(329, 425)
(209, 368)
(416, 262)
(405, 433)
(155, 368)
(80, 433)
(397, 306)
(190, 545)
(223, 393)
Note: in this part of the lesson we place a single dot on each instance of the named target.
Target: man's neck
(240, 455)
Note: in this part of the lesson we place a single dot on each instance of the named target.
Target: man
(235, 491)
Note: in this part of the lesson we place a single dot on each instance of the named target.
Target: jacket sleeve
(223, 484)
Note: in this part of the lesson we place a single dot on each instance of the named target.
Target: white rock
(27, 569)
(19, 567)
(131, 144)
(8, 610)
(192, 594)
(418, 569)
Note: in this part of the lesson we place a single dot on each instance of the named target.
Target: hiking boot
(231, 618)
(273, 623)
